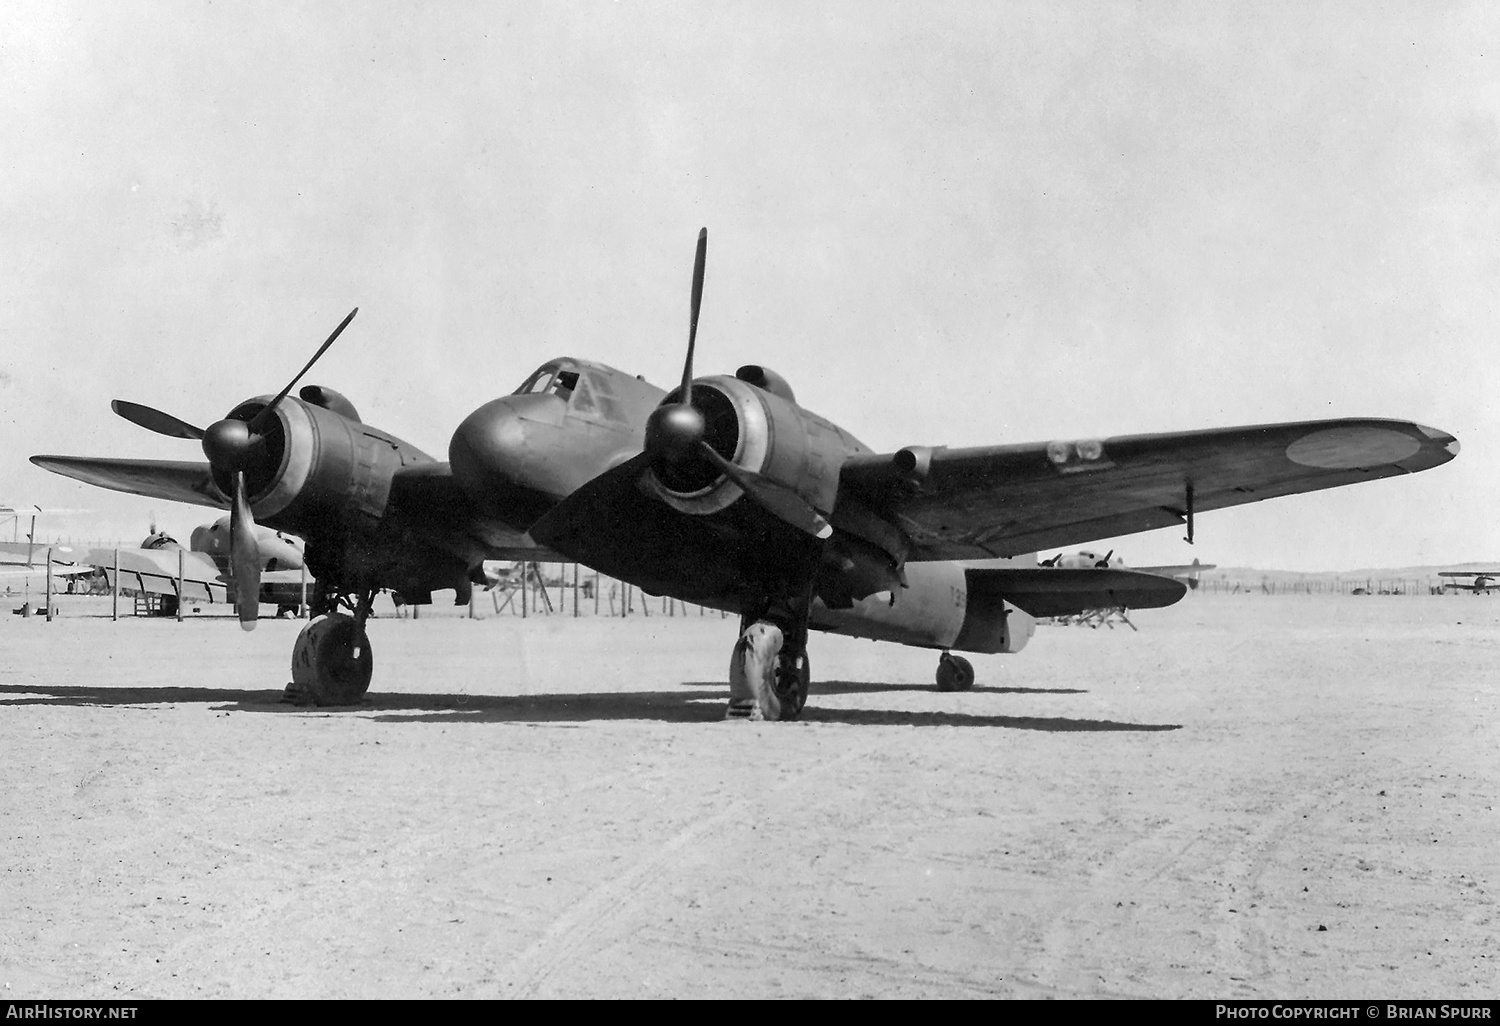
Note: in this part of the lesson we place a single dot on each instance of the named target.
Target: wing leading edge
(1006, 500)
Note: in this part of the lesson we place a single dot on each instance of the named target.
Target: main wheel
(954, 673)
(791, 681)
(331, 662)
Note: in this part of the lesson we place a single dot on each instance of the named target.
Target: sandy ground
(1251, 797)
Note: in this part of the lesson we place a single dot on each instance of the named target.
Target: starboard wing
(176, 480)
(1006, 500)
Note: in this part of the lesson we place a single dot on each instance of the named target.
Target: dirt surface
(1251, 797)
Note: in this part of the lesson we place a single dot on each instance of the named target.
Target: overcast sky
(960, 223)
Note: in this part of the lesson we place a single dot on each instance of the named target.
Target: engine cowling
(314, 464)
(759, 431)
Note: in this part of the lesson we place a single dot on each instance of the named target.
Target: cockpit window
(550, 379)
(538, 382)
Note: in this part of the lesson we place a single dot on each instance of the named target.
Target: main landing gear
(769, 673)
(954, 673)
(331, 661)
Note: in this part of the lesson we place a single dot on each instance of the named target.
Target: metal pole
(596, 593)
(525, 586)
(471, 602)
(562, 586)
(575, 591)
(302, 600)
(179, 585)
(114, 603)
(49, 584)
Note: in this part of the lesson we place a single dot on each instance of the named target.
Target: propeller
(231, 446)
(155, 420)
(244, 556)
(675, 433)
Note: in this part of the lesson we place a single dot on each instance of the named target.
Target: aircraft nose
(488, 450)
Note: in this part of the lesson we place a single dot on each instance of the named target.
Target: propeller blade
(244, 556)
(262, 418)
(155, 420)
(777, 499)
(687, 368)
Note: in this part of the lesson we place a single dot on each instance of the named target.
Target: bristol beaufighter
(727, 492)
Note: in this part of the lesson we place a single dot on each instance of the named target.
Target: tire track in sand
(595, 920)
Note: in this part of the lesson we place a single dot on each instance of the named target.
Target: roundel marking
(1344, 448)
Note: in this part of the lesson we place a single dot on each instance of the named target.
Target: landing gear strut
(331, 661)
(954, 673)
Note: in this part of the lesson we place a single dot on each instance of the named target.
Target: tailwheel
(331, 662)
(954, 673)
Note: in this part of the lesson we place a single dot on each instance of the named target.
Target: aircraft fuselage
(573, 421)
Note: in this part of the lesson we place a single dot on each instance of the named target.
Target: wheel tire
(324, 666)
(954, 673)
(965, 673)
(791, 682)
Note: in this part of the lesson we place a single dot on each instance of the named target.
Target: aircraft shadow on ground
(858, 687)
(701, 704)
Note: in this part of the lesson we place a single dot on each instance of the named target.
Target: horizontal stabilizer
(1046, 591)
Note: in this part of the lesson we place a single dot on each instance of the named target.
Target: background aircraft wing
(161, 479)
(38, 572)
(1006, 500)
(154, 571)
(1176, 569)
(1048, 591)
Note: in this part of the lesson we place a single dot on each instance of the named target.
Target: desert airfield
(1251, 797)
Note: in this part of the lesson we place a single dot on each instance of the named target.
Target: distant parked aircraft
(1482, 584)
(155, 566)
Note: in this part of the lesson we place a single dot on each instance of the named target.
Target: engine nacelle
(315, 465)
(762, 432)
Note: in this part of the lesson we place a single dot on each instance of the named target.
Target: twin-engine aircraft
(725, 492)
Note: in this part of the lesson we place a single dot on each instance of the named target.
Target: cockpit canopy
(558, 378)
(590, 390)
